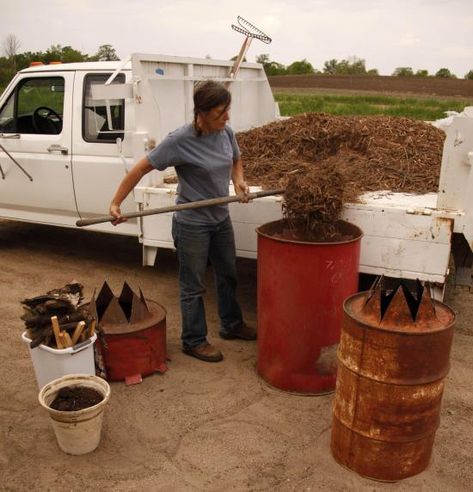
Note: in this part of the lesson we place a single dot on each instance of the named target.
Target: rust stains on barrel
(393, 358)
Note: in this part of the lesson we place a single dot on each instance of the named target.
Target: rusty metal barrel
(393, 358)
(301, 288)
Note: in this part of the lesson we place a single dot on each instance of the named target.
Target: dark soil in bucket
(73, 398)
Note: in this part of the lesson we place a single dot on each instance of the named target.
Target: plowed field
(415, 85)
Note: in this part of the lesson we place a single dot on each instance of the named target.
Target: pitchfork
(250, 32)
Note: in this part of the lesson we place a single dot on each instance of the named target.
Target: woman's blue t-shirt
(203, 166)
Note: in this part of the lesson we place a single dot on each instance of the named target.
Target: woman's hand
(242, 190)
(239, 183)
(130, 180)
(115, 212)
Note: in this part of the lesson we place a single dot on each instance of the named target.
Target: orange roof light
(55, 62)
(35, 64)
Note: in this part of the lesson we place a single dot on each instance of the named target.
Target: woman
(205, 155)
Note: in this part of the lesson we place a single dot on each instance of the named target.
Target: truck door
(99, 163)
(35, 145)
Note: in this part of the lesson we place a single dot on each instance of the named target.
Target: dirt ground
(403, 85)
(200, 426)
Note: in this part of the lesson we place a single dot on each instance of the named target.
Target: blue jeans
(196, 245)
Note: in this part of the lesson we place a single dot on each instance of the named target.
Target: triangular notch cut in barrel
(411, 300)
(398, 313)
(126, 300)
(103, 300)
(386, 298)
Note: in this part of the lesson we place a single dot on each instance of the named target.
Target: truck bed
(405, 235)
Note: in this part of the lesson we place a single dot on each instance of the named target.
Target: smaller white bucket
(50, 363)
(77, 432)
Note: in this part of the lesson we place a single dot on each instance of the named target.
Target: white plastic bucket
(77, 432)
(50, 363)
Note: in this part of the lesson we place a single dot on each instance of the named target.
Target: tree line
(350, 66)
(14, 61)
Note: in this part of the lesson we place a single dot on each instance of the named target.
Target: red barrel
(134, 349)
(301, 289)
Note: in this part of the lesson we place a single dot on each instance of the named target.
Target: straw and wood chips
(325, 161)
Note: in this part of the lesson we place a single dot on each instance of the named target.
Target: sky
(421, 34)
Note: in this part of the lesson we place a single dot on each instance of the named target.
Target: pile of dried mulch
(370, 153)
(314, 198)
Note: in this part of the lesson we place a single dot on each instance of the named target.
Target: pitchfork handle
(183, 206)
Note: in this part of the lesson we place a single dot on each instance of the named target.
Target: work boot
(205, 352)
(243, 332)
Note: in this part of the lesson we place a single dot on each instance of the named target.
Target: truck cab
(70, 132)
(58, 150)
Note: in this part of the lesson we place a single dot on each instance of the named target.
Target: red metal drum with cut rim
(301, 289)
(135, 349)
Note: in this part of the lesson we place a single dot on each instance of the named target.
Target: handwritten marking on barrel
(329, 264)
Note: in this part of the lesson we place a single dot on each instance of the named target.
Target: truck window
(35, 106)
(95, 120)
(7, 120)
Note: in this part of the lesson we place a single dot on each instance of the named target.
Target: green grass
(421, 108)
(363, 105)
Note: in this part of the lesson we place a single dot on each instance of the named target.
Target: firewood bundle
(58, 318)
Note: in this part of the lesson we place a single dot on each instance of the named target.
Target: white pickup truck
(70, 132)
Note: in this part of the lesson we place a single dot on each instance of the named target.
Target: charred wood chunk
(36, 321)
(70, 294)
(40, 337)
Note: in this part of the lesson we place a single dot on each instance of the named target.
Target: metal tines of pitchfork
(250, 32)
